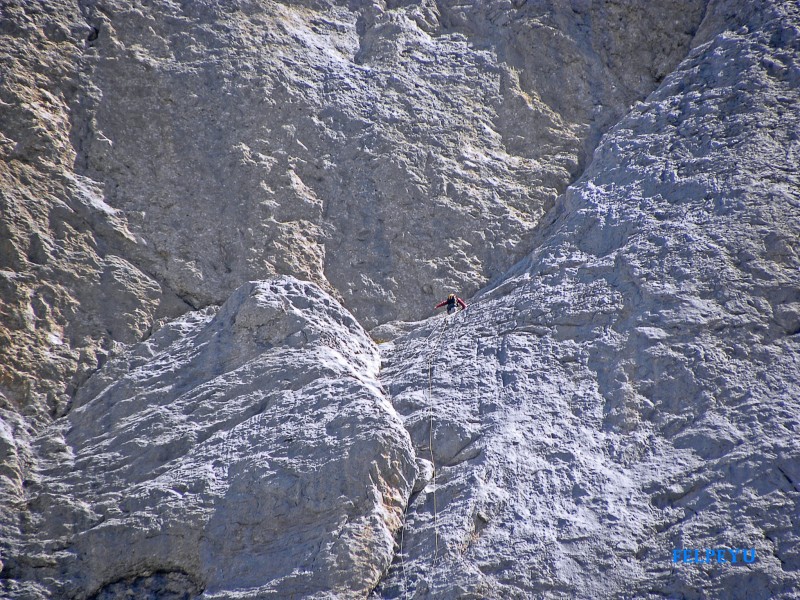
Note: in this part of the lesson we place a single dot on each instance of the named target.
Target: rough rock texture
(156, 155)
(385, 152)
(245, 452)
(633, 386)
(629, 388)
(67, 290)
(333, 140)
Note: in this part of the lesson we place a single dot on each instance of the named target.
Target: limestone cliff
(629, 387)
(247, 450)
(155, 157)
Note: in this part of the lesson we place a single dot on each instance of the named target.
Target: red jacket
(459, 300)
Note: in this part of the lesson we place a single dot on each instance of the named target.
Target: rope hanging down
(431, 356)
(438, 332)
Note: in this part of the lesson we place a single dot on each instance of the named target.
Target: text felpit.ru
(714, 555)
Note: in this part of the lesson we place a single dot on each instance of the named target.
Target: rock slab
(242, 452)
(631, 387)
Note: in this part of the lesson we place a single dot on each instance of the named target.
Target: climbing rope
(433, 460)
(438, 328)
(402, 558)
(431, 356)
(437, 333)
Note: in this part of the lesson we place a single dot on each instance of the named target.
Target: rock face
(244, 452)
(632, 386)
(627, 389)
(386, 151)
(344, 142)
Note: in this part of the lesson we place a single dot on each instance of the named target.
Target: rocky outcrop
(632, 387)
(242, 452)
(68, 288)
(155, 157)
(627, 389)
(343, 143)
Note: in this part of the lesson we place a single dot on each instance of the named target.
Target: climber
(452, 303)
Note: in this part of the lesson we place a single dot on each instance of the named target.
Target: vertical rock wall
(628, 388)
(386, 152)
(631, 388)
(157, 155)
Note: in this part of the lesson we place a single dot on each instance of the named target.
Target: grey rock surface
(632, 387)
(159, 155)
(68, 288)
(155, 157)
(237, 453)
(628, 388)
(386, 151)
(345, 144)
